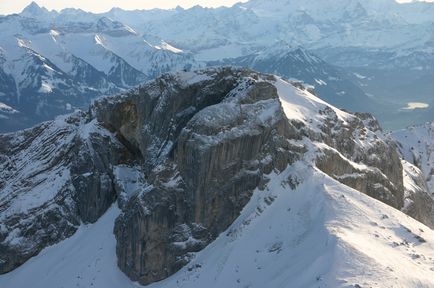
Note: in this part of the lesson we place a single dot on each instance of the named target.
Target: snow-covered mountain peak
(281, 49)
(278, 48)
(72, 11)
(350, 10)
(34, 10)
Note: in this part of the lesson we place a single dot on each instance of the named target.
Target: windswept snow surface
(87, 259)
(303, 106)
(303, 230)
(322, 234)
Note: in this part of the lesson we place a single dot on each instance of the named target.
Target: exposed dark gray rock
(215, 142)
(361, 141)
(54, 176)
(358, 154)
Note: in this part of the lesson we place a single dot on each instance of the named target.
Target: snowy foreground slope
(304, 227)
(323, 234)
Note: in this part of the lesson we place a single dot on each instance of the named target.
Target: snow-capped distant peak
(33, 9)
(279, 48)
(282, 48)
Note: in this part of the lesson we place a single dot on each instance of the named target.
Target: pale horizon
(16, 6)
(8, 7)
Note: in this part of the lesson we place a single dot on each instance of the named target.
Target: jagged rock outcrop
(54, 176)
(416, 145)
(418, 200)
(353, 149)
(215, 143)
(363, 159)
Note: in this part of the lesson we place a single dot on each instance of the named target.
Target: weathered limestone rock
(360, 155)
(216, 154)
(53, 177)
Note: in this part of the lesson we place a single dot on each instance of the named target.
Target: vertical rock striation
(215, 143)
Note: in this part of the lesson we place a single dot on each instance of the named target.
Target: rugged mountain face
(417, 147)
(48, 69)
(331, 83)
(210, 151)
(119, 49)
(183, 155)
(54, 177)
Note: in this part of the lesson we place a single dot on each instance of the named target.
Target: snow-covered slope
(321, 234)
(302, 226)
(417, 147)
(87, 259)
(6, 111)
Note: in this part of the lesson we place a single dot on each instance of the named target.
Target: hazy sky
(14, 6)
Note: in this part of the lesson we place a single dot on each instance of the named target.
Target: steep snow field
(303, 230)
(87, 259)
(322, 234)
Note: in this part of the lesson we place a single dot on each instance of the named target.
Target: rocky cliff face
(359, 156)
(54, 176)
(213, 145)
(416, 145)
(182, 156)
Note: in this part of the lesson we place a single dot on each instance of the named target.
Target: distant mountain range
(46, 71)
(331, 83)
(54, 62)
